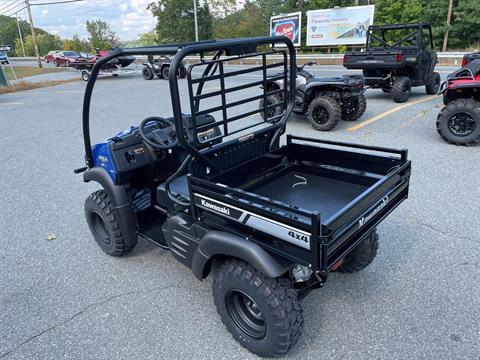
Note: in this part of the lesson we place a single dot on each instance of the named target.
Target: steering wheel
(161, 133)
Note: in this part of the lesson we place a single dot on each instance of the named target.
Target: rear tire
(401, 89)
(355, 108)
(324, 113)
(147, 73)
(434, 85)
(459, 122)
(104, 224)
(263, 314)
(362, 255)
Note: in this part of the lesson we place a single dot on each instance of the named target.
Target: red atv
(459, 121)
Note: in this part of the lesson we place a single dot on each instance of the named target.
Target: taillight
(464, 60)
(344, 58)
(400, 57)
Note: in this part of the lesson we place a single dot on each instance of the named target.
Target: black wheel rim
(99, 228)
(320, 115)
(246, 314)
(350, 107)
(461, 124)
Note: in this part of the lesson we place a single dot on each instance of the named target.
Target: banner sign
(339, 26)
(287, 25)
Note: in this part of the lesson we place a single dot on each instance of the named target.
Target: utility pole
(449, 18)
(20, 33)
(34, 37)
(195, 18)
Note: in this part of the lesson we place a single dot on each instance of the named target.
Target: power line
(56, 2)
(8, 5)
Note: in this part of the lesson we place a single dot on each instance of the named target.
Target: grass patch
(25, 71)
(24, 85)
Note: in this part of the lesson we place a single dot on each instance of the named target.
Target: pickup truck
(397, 57)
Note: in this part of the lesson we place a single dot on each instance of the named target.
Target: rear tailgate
(373, 59)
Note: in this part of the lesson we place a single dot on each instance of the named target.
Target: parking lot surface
(62, 297)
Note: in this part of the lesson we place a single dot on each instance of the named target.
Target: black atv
(325, 100)
(160, 67)
(397, 57)
(212, 185)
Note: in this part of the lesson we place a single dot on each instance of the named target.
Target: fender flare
(215, 243)
(120, 200)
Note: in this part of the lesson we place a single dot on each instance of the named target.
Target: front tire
(434, 85)
(104, 224)
(362, 255)
(324, 113)
(147, 73)
(354, 108)
(459, 122)
(263, 314)
(401, 89)
(272, 112)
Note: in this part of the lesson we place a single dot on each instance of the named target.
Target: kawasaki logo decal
(221, 209)
(375, 211)
(275, 228)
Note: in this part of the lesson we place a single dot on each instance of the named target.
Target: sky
(127, 18)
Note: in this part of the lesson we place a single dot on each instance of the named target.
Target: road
(64, 298)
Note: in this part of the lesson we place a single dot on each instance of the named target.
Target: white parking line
(12, 103)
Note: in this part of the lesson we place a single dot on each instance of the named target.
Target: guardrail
(444, 58)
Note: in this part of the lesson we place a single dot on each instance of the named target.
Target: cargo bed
(321, 200)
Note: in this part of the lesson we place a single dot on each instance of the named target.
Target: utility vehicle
(160, 67)
(325, 100)
(214, 184)
(397, 57)
(459, 121)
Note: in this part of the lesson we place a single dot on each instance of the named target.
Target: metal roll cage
(234, 49)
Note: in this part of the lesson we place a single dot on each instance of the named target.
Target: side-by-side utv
(397, 57)
(227, 193)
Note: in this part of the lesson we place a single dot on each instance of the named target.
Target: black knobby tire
(324, 113)
(354, 108)
(147, 73)
(401, 89)
(273, 111)
(242, 294)
(434, 85)
(104, 224)
(459, 122)
(165, 72)
(362, 255)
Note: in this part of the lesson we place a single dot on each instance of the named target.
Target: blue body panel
(102, 156)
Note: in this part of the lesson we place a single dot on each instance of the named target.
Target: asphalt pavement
(62, 297)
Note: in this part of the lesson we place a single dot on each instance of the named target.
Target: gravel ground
(64, 298)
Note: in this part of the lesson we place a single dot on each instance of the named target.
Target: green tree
(45, 42)
(176, 20)
(101, 35)
(148, 38)
(394, 11)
